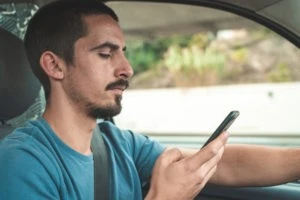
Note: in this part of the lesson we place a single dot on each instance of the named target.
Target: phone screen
(229, 119)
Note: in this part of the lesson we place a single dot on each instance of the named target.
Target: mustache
(118, 83)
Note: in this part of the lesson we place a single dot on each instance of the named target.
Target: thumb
(171, 155)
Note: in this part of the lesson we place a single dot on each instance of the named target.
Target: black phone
(223, 126)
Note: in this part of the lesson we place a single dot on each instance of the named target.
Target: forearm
(250, 165)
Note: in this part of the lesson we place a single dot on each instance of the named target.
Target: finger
(211, 172)
(201, 172)
(171, 155)
(208, 152)
(220, 140)
(209, 165)
(199, 185)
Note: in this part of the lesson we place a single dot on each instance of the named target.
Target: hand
(177, 178)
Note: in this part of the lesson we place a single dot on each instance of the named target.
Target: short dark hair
(56, 27)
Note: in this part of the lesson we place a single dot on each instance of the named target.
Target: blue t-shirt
(36, 164)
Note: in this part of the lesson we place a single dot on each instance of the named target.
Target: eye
(105, 55)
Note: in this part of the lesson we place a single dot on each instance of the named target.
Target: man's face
(100, 71)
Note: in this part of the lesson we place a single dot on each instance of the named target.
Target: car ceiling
(280, 15)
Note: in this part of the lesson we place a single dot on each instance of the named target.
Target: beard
(104, 112)
(96, 111)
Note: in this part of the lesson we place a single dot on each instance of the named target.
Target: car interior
(19, 87)
(21, 96)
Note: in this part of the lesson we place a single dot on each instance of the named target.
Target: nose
(124, 70)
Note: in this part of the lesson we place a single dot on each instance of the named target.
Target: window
(194, 64)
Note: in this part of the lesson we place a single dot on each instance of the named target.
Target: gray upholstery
(18, 85)
(5, 130)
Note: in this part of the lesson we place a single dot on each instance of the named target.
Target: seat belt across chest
(101, 168)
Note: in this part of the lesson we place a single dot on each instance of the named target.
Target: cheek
(101, 75)
(98, 79)
(93, 74)
(94, 84)
(83, 82)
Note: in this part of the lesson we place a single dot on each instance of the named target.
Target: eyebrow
(110, 45)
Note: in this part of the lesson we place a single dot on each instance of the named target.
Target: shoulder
(15, 157)
(25, 152)
(31, 131)
(26, 162)
(25, 169)
(31, 139)
(113, 133)
(135, 143)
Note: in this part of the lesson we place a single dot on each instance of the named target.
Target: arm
(253, 165)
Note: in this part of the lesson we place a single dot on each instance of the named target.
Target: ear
(52, 65)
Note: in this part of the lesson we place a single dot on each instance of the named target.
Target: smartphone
(223, 126)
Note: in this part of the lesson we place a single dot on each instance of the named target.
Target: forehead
(103, 27)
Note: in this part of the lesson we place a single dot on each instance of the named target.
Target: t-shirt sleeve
(142, 150)
(145, 153)
(24, 177)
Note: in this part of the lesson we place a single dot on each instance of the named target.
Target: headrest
(18, 85)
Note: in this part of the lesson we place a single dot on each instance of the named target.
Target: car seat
(18, 86)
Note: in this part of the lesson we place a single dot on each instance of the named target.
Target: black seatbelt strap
(101, 178)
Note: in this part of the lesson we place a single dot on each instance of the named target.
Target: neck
(70, 124)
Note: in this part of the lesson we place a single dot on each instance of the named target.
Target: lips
(119, 88)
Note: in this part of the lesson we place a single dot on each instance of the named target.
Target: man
(76, 49)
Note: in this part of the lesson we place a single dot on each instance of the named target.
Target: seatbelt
(100, 155)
